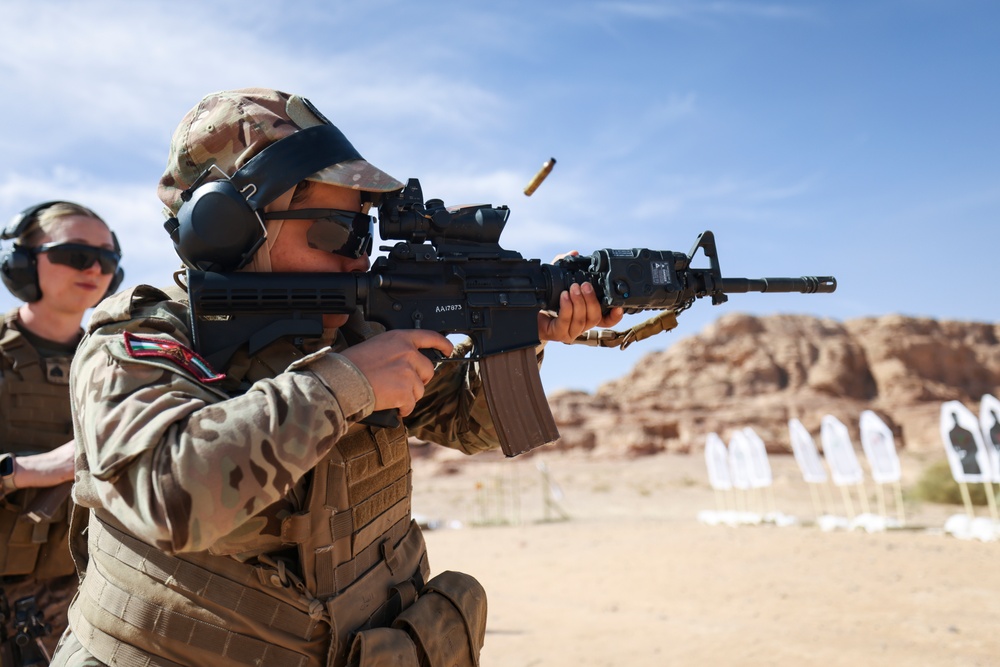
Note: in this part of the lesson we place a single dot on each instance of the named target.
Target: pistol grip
(390, 418)
(383, 418)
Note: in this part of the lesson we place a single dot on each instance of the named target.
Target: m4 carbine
(23, 647)
(448, 273)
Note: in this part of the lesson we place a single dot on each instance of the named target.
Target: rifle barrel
(803, 285)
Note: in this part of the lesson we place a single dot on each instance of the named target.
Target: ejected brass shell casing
(540, 176)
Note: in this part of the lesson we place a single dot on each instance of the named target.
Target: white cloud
(125, 72)
(631, 133)
(691, 197)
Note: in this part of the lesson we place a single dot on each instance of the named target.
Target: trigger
(432, 353)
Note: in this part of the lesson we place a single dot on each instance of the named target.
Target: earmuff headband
(19, 223)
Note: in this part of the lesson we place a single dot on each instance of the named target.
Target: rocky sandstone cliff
(762, 371)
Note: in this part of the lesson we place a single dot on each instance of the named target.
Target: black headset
(220, 225)
(18, 265)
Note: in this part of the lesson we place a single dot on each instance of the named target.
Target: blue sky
(853, 138)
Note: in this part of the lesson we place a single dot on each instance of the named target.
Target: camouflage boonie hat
(230, 127)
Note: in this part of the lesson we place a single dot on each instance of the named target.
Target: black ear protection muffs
(18, 266)
(220, 225)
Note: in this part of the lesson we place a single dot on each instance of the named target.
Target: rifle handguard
(665, 321)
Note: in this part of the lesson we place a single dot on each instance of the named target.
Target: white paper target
(838, 450)
(739, 460)
(760, 467)
(963, 443)
(989, 421)
(717, 462)
(804, 449)
(880, 448)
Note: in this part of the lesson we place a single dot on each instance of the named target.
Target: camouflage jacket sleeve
(180, 463)
(453, 411)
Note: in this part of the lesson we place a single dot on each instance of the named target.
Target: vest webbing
(109, 650)
(227, 586)
(35, 417)
(34, 395)
(358, 497)
(102, 597)
(103, 604)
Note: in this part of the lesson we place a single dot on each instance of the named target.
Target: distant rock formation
(762, 371)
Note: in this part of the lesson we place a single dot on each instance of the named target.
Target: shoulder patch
(146, 346)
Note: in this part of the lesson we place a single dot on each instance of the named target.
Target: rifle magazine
(517, 401)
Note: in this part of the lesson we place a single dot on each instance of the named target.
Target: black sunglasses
(79, 256)
(346, 233)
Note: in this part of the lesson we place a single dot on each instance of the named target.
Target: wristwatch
(7, 475)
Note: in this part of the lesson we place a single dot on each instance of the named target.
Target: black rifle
(449, 274)
(22, 647)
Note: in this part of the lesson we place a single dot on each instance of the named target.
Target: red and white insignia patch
(147, 346)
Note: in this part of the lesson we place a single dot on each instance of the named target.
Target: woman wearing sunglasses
(63, 260)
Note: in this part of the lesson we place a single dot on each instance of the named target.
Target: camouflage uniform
(251, 519)
(245, 515)
(34, 418)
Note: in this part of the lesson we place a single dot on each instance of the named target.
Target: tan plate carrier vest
(362, 559)
(34, 418)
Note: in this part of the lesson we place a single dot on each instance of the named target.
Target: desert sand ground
(633, 578)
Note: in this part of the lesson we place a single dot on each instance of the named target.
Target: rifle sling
(665, 321)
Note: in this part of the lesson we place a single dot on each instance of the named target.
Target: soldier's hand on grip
(395, 366)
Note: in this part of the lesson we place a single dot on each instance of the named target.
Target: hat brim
(357, 175)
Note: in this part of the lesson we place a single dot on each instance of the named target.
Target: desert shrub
(936, 485)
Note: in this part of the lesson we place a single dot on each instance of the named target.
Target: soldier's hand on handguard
(579, 310)
(396, 368)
